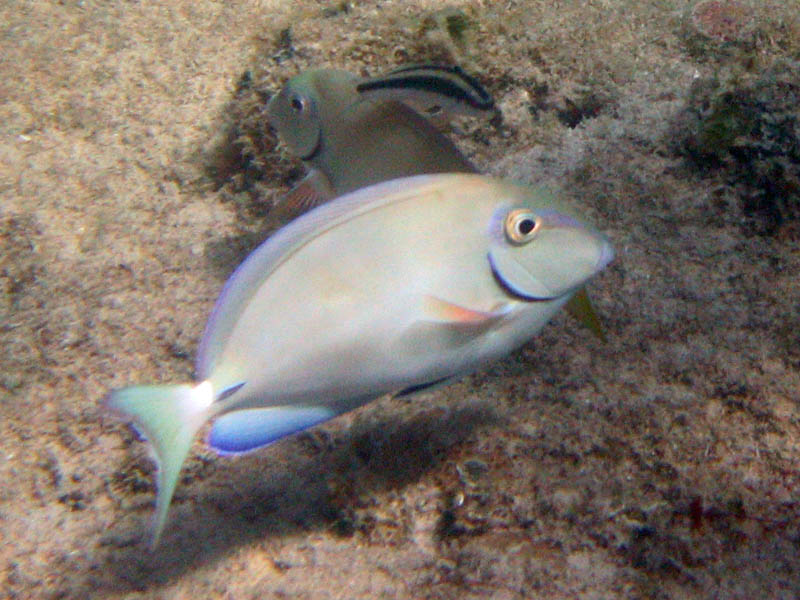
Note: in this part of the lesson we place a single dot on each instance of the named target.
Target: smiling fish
(352, 132)
(387, 290)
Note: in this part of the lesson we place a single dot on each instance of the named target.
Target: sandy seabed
(136, 172)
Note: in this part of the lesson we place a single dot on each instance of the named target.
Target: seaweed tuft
(746, 127)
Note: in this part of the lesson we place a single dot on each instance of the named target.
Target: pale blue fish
(353, 132)
(386, 290)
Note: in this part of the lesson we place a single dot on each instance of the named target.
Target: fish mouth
(511, 290)
(314, 151)
(606, 255)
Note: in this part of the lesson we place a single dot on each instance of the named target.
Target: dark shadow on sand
(307, 487)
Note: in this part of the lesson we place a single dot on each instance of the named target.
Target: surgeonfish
(387, 290)
(353, 132)
(350, 139)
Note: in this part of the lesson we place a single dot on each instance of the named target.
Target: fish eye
(521, 226)
(525, 226)
(297, 103)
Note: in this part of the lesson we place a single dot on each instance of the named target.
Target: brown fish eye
(297, 104)
(520, 226)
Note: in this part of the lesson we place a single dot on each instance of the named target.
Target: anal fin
(251, 428)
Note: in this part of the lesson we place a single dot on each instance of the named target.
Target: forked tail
(169, 416)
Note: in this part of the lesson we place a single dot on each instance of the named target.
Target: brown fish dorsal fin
(432, 90)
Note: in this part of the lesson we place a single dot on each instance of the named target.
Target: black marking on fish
(229, 391)
(314, 151)
(454, 70)
(413, 389)
(515, 293)
(425, 78)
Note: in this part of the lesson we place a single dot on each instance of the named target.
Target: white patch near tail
(169, 416)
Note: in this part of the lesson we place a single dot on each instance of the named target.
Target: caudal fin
(169, 417)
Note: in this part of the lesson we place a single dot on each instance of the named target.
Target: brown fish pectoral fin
(314, 189)
(580, 307)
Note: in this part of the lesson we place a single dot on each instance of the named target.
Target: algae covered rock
(746, 126)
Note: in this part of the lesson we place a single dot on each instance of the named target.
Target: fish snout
(606, 254)
(556, 255)
(583, 250)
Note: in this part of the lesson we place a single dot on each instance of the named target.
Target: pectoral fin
(443, 325)
(440, 310)
(314, 189)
